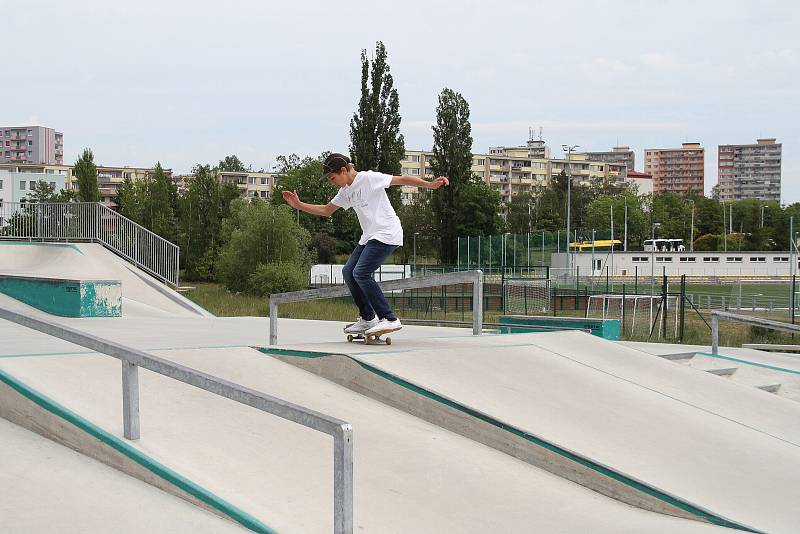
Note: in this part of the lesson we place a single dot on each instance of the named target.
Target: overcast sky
(190, 82)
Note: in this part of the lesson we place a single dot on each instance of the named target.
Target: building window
(415, 159)
(22, 185)
(1, 184)
(776, 259)
(263, 181)
(734, 259)
(263, 194)
(663, 259)
(758, 259)
(480, 162)
(639, 259)
(712, 259)
(687, 259)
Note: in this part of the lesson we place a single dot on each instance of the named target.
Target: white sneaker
(384, 327)
(361, 326)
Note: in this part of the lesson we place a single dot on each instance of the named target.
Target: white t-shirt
(367, 196)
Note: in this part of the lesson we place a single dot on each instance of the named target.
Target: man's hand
(291, 198)
(438, 182)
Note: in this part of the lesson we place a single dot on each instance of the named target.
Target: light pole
(415, 253)
(762, 216)
(653, 256)
(569, 149)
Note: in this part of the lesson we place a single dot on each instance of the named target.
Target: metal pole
(569, 198)
(415, 253)
(724, 234)
(612, 240)
(130, 400)
(477, 304)
(683, 305)
(714, 334)
(691, 239)
(625, 244)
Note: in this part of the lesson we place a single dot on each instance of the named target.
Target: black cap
(333, 163)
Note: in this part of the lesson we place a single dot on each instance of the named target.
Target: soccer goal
(639, 315)
(526, 295)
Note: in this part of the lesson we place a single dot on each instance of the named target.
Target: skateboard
(372, 339)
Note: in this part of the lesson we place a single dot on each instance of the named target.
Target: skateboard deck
(372, 339)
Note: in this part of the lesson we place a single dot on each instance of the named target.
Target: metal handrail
(132, 359)
(755, 321)
(463, 277)
(93, 221)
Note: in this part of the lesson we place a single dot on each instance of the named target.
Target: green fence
(519, 252)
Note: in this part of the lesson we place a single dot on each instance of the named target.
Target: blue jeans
(358, 271)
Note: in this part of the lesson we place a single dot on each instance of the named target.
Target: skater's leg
(372, 257)
(364, 307)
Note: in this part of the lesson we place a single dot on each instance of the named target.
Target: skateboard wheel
(350, 338)
(388, 341)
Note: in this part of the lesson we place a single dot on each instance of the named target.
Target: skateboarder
(365, 192)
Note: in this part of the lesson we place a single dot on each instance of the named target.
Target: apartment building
(641, 180)
(109, 179)
(679, 170)
(17, 180)
(31, 144)
(619, 154)
(750, 171)
(513, 170)
(251, 184)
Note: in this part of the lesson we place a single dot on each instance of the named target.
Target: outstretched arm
(321, 210)
(419, 182)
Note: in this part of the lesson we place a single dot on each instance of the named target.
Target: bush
(278, 277)
(258, 235)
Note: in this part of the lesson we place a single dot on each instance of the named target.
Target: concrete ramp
(49, 488)
(142, 295)
(627, 424)
(410, 475)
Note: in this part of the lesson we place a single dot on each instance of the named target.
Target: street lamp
(653, 256)
(415, 253)
(569, 150)
(762, 216)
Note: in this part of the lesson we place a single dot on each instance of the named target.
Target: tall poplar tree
(375, 139)
(86, 174)
(468, 206)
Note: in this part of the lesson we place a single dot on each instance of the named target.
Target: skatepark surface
(722, 451)
(47, 487)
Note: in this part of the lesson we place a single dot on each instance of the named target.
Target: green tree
(548, 210)
(707, 216)
(708, 242)
(41, 192)
(521, 213)
(375, 139)
(202, 210)
(417, 217)
(151, 202)
(264, 249)
(452, 157)
(231, 164)
(599, 217)
(86, 174)
(674, 214)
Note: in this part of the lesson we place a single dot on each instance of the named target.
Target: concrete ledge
(30, 409)
(65, 297)
(447, 414)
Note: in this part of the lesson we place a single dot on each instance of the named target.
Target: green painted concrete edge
(619, 477)
(137, 456)
(748, 362)
(29, 243)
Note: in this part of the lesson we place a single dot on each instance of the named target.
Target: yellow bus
(600, 244)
